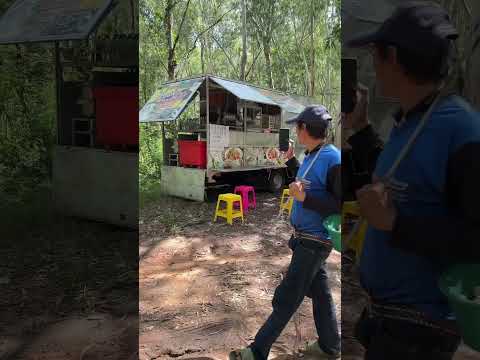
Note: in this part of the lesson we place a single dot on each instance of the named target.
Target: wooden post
(244, 131)
(207, 79)
(164, 152)
(58, 89)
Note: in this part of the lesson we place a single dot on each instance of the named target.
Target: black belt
(406, 313)
(311, 237)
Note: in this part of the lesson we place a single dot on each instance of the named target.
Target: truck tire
(276, 181)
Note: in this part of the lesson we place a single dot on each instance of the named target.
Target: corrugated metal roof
(46, 20)
(170, 100)
(243, 91)
(286, 102)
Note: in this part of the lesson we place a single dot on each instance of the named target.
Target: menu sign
(219, 136)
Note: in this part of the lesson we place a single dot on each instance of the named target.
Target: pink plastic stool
(245, 191)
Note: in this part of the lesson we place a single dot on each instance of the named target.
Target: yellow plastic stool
(356, 242)
(229, 212)
(286, 204)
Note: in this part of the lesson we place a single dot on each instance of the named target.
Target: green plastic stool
(334, 227)
(458, 284)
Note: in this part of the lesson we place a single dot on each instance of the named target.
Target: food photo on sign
(233, 157)
(273, 155)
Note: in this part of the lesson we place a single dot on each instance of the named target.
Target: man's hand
(358, 119)
(376, 206)
(297, 191)
(290, 152)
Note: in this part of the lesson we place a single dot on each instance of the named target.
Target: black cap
(419, 26)
(315, 115)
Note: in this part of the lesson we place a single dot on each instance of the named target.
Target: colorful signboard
(170, 100)
(51, 20)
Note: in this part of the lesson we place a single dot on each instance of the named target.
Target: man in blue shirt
(424, 217)
(317, 194)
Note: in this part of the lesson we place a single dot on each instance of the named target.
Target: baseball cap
(419, 26)
(315, 115)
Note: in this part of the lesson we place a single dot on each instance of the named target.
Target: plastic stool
(245, 192)
(286, 204)
(356, 244)
(229, 212)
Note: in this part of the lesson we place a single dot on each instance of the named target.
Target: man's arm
(332, 202)
(292, 167)
(455, 237)
(365, 143)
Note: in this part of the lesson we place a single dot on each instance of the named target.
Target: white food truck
(232, 133)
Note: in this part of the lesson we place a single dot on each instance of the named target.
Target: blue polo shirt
(390, 274)
(307, 220)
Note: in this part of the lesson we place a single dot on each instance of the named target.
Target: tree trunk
(312, 52)
(132, 15)
(268, 61)
(169, 36)
(171, 57)
(472, 75)
(202, 53)
(243, 63)
(307, 74)
(21, 90)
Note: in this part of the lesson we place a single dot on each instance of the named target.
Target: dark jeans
(391, 339)
(306, 275)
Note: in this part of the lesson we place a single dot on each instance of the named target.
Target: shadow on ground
(206, 288)
(56, 273)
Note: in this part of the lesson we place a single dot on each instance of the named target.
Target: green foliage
(151, 156)
(27, 117)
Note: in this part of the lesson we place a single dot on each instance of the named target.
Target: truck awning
(46, 20)
(286, 102)
(169, 101)
(261, 95)
(243, 91)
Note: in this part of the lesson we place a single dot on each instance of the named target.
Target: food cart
(232, 133)
(95, 159)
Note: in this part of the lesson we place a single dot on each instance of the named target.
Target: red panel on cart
(116, 115)
(193, 153)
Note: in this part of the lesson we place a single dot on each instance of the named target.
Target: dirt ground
(206, 288)
(66, 288)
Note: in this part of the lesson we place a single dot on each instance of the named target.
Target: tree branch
(252, 65)
(253, 62)
(163, 65)
(187, 54)
(181, 25)
(225, 52)
(467, 8)
(259, 29)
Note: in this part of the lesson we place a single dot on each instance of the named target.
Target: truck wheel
(276, 181)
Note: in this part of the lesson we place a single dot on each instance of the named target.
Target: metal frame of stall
(65, 189)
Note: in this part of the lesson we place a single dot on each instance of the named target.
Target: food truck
(232, 133)
(95, 159)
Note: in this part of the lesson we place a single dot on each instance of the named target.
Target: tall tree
(168, 23)
(243, 62)
(172, 44)
(266, 17)
(312, 50)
